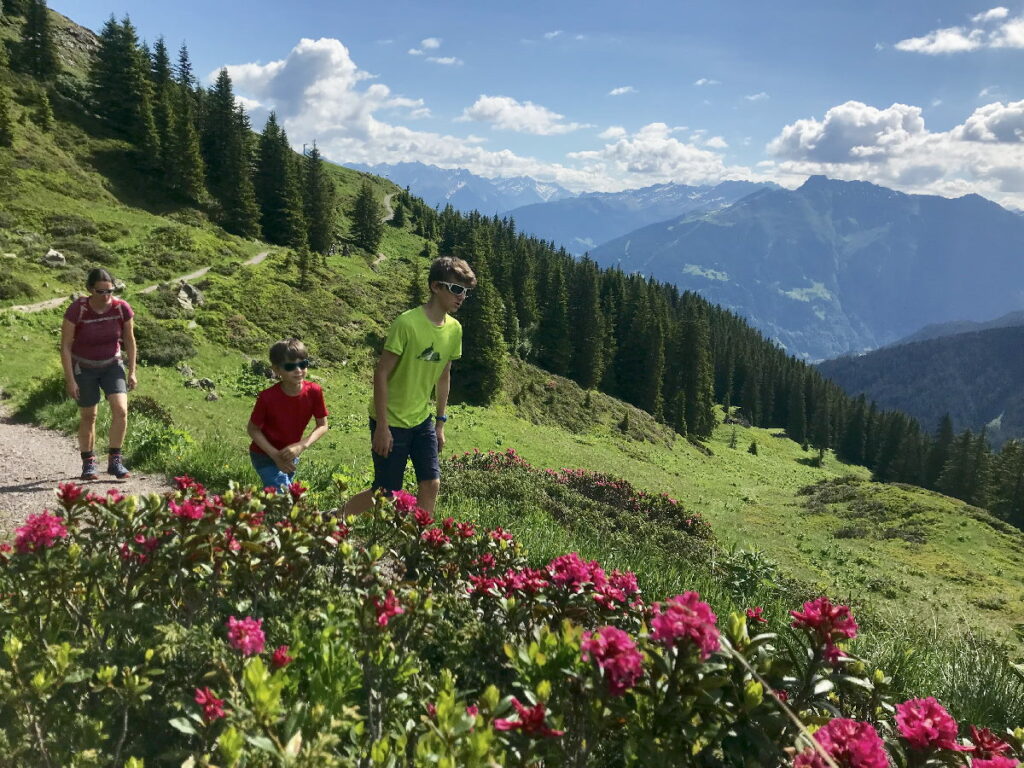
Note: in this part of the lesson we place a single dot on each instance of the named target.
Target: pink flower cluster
(143, 547)
(39, 532)
(926, 724)
(572, 573)
(404, 501)
(68, 494)
(851, 744)
(434, 537)
(280, 658)
(532, 721)
(213, 708)
(986, 744)
(387, 609)
(297, 491)
(523, 581)
(246, 635)
(685, 619)
(616, 654)
(829, 623)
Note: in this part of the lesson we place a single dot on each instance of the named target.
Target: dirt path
(36, 459)
(51, 303)
(389, 214)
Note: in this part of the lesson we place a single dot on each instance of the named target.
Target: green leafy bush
(160, 345)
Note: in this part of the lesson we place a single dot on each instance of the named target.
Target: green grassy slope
(903, 550)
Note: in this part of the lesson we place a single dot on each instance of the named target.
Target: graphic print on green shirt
(423, 350)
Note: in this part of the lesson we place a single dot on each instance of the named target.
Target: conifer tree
(1007, 489)
(121, 89)
(320, 200)
(698, 376)
(185, 171)
(16, 7)
(552, 346)
(184, 75)
(241, 209)
(586, 325)
(6, 120)
(478, 377)
(163, 104)
(42, 112)
(890, 449)
(850, 447)
(955, 479)
(367, 227)
(398, 213)
(796, 426)
(821, 431)
(939, 453)
(37, 54)
(277, 188)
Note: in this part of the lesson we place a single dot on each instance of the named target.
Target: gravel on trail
(34, 460)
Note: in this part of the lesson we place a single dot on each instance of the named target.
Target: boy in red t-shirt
(281, 414)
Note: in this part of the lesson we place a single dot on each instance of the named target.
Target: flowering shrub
(248, 629)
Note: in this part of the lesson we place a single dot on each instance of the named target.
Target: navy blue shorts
(418, 443)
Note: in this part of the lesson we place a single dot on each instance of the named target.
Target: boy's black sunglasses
(303, 364)
(454, 288)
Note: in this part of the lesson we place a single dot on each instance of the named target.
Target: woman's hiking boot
(89, 469)
(116, 467)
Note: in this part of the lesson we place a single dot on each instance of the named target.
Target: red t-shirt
(283, 418)
(97, 334)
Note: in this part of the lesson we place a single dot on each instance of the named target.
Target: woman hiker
(94, 329)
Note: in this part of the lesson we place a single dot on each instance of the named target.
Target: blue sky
(920, 95)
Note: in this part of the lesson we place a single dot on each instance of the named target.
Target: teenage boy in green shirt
(416, 361)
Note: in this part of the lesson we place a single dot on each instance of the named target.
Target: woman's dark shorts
(418, 443)
(109, 378)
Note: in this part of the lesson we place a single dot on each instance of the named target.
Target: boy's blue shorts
(418, 443)
(270, 475)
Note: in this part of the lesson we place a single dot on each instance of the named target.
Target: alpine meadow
(662, 537)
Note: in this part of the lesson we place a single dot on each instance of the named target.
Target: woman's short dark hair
(98, 275)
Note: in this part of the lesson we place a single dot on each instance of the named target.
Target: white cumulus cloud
(760, 96)
(622, 89)
(894, 148)
(430, 43)
(448, 61)
(552, 35)
(1006, 32)
(716, 142)
(612, 132)
(706, 81)
(508, 114)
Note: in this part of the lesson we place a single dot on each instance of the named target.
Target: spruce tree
(16, 7)
(796, 426)
(850, 447)
(477, 378)
(277, 188)
(37, 54)
(398, 213)
(185, 171)
(1006, 492)
(42, 111)
(939, 453)
(586, 325)
(367, 227)
(955, 479)
(320, 200)
(552, 346)
(241, 209)
(121, 89)
(6, 120)
(698, 371)
(163, 105)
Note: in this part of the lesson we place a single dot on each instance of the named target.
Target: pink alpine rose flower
(280, 657)
(999, 761)
(500, 534)
(213, 708)
(531, 721)
(189, 509)
(757, 614)
(39, 532)
(297, 490)
(685, 618)
(850, 743)
(615, 653)
(405, 502)
(422, 517)
(434, 537)
(68, 494)
(388, 609)
(828, 623)
(986, 744)
(246, 635)
(926, 724)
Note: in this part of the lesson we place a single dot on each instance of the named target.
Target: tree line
(667, 351)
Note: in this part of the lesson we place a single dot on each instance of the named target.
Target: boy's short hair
(449, 269)
(287, 351)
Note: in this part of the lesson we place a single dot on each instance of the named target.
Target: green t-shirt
(423, 350)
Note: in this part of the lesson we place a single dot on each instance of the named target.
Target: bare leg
(427, 497)
(118, 418)
(359, 503)
(87, 429)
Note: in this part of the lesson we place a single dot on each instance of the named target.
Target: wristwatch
(442, 419)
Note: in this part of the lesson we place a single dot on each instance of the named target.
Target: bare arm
(130, 350)
(444, 385)
(257, 436)
(67, 338)
(295, 449)
(382, 434)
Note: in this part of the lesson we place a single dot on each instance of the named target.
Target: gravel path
(34, 460)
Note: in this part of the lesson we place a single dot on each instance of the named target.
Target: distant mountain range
(464, 190)
(836, 267)
(583, 222)
(976, 377)
(939, 330)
